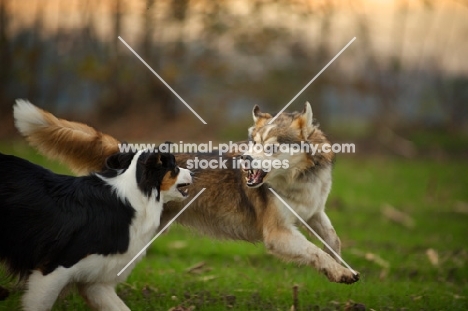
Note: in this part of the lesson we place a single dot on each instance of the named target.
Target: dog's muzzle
(254, 176)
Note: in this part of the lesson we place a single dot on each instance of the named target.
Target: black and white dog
(57, 229)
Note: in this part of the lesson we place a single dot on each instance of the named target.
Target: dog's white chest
(307, 198)
(99, 268)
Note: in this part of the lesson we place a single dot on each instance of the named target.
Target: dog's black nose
(246, 158)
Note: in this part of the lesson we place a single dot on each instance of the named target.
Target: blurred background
(399, 92)
(400, 88)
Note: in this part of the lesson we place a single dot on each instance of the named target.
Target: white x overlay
(203, 121)
(312, 230)
(160, 232)
(162, 80)
(313, 79)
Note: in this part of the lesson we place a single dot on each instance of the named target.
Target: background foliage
(399, 92)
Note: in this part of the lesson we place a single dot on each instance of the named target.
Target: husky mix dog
(57, 230)
(237, 203)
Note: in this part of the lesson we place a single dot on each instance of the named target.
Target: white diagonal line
(312, 230)
(162, 80)
(313, 79)
(160, 231)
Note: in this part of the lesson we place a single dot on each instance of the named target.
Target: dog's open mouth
(254, 177)
(183, 189)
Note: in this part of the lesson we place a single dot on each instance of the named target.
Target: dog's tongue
(255, 177)
(258, 176)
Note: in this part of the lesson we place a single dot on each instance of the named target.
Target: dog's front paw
(341, 275)
(347, 279)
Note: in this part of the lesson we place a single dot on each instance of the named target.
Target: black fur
(151, 168)
(49, 220)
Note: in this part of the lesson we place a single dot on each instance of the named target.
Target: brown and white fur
(228, 208)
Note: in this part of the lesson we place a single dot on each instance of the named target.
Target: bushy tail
(79, 146)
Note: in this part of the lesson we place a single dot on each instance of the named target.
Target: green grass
(242, 276)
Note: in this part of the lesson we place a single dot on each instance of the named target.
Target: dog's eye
(271, 148)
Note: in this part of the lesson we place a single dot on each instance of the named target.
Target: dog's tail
(79, 146)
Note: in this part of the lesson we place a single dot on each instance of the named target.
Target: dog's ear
(303, 121)
(165, 146)
(119, 161)
(256, 113)
(259, 117)
(307, 114)
(153, 160)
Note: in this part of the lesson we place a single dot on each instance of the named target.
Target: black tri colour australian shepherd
(57, 229)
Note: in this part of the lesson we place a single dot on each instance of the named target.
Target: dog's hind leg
(43, 290)
(102, 297)
(287, 242)
(324, 228)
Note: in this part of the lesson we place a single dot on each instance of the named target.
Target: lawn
(403, 226)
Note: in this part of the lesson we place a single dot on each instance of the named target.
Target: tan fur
(79, 146)
(168, 181)
(260, 118)
(228, 208)
(294, 128)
